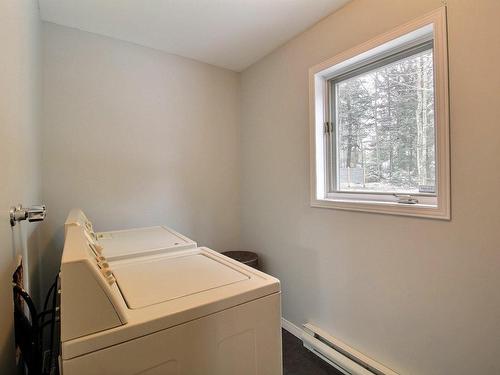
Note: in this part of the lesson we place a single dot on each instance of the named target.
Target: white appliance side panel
(89, 302)
(243, 340)
(85, 307)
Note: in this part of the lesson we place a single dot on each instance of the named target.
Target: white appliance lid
(123, 243)
(149, 282)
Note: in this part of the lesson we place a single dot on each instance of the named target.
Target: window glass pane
(385, 128)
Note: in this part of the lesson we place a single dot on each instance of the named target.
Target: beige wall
(137, 137)
(19, 152)
(422, 296)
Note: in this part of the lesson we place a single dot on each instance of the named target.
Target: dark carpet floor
(297, 360)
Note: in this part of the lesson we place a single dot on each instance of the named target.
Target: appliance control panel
(100, 260)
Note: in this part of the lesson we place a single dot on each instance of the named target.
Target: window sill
(389, 208)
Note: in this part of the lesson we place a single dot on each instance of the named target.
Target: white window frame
(429, 27)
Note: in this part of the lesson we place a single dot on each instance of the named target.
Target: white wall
(137, 137)
(420, 295)
(19, 153)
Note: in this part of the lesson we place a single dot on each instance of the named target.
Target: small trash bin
(246, 257)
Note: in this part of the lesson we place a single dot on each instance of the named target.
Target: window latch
(406, 199)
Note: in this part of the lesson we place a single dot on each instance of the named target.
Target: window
(382, 126)
(379, 124)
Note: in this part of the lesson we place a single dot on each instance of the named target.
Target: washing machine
(123, 244)
(190, 312)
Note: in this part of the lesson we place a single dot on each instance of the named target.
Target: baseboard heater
(341, 356)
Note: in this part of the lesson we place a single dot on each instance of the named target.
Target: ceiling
(231, 34)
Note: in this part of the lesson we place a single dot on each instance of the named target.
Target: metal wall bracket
(33, 213)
